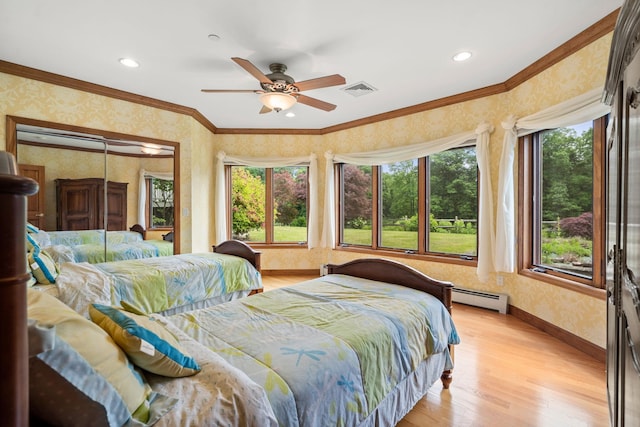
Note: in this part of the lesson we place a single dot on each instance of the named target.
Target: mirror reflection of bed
(72, 165)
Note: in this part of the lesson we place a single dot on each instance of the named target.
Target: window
(561, 209)
(159, 203)
(425, 206)
(399, 197)
(269, 205)
(357, 202)
(453, 202)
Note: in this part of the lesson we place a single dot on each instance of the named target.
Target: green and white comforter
(156, 284)
(326, 351)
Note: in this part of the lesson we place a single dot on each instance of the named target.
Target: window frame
(269, 204)
(148, 209)
(376, 220)
(528, 228)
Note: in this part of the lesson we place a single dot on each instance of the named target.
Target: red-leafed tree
(290, 196)
(357, 192)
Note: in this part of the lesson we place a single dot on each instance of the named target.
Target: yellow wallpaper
(37, 100)
(202, 202)
(580, 72)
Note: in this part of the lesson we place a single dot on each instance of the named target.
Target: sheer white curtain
(397, 154)
(580, 109)
(486, 231)
(221, 197)
(142, 192)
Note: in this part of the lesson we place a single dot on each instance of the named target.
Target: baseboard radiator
(481, 299)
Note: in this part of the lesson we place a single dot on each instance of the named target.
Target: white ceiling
(401, 48)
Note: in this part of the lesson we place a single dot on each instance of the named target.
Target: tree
(284, 194)
(357, 192)
(162, 202)
(400, 189)
(247, 200)
(567, 177)
(453, 184)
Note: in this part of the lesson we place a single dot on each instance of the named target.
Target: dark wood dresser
(80, 204)
(622, 92)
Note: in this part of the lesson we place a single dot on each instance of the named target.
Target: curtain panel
(580, 109)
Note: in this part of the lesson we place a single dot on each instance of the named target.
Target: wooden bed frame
(241, 249)
(139, 229)
(229, 247)
(14, 375)
(384, 270)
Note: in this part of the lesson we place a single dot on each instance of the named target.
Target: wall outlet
(500, 280)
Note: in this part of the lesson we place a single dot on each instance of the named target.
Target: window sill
(565, 283)
(414, 256)
(292, 245)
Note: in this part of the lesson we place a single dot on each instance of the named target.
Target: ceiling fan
(280, 91)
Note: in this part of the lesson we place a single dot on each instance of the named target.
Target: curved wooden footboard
(384, 270)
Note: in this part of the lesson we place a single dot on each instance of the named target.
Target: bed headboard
(14, 376)
(241, 249)
(139, 229)
(384, 270)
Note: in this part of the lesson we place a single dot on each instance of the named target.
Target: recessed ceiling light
(462, 56)
(213, 37)
(128, 62)
(290, 114)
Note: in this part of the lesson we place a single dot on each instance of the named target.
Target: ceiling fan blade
(229, 91)
(265, 109)
(332, 80)
(316, 103)
(252, 69)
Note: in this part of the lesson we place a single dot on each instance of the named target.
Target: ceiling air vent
(359, 89)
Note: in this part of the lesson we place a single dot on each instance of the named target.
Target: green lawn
(440, 242)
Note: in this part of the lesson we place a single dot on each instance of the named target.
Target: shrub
(409, 224)
(433, 223)
(357, 223)
(458, 226)
(565, 250)
(581, 226)
(299, 221)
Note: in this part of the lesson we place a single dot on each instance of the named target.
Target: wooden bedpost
(14, 364)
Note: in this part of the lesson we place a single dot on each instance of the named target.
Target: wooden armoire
(622, 92)
(80, 204)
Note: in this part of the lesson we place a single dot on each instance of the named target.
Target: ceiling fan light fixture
(277, 101)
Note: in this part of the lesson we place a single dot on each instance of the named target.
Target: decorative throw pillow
(43, 268)
(40, 236)
(85, 369)
(147, 343)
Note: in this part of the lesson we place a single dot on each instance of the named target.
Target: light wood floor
(507, 373)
